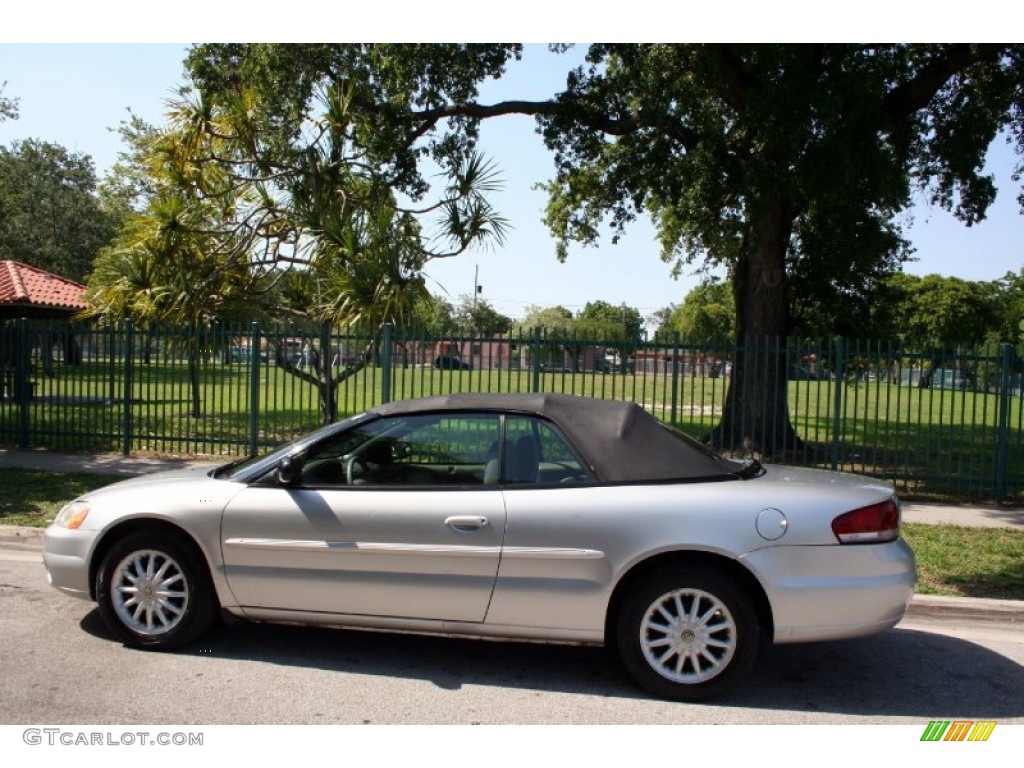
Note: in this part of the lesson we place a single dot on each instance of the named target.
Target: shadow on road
(903, 673)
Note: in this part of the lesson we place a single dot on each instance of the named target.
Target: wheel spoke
(659, 628)
(673, 651)
(680, 608)
(709, 614)
(713, 661)
(722, 627)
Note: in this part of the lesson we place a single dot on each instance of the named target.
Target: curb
(966, 609)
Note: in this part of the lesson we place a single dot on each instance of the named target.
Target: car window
(422, 450)
(537, 453)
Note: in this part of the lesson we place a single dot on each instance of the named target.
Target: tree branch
(915, 94)
(600, 121)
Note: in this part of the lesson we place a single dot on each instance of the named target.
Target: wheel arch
(693, 559)
(135, 525)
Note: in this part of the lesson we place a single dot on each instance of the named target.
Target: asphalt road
(59, 665)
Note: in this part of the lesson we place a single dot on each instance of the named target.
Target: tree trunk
(756, 414)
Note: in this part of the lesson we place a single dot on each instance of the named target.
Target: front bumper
(66, 557)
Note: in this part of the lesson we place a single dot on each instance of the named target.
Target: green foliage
(599, 319)
(168, 265)
(708, 313)
(384, 86)
(553, 321)
(132, 180)
(8, 106)
(52, 218)
(1008, 295)
(938, 310)
(479, 316)
(433, 314)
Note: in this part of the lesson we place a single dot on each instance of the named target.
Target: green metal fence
(938, 421)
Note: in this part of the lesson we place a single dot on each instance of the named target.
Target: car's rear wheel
(688, 634)
(154, 591)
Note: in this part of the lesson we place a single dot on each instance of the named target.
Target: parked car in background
(534, 517)
(451, 363)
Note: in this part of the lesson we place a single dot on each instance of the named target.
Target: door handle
(466, 522)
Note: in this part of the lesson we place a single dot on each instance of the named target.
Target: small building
(27, 291)
(476, 352)
(35, 294)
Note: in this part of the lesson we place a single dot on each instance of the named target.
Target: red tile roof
(21, 284)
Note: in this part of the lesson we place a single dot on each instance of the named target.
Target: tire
(154, 591)
(687, 634)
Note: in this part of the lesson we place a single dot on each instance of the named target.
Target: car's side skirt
(421, 626)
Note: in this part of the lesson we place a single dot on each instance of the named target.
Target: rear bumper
(837, 591)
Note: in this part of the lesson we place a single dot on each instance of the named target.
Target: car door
(391, 518)
(555, 568)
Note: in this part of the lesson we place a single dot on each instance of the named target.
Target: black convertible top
(620, 440)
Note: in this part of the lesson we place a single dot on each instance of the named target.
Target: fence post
(129, 371)
(1003, 420)
(535, 361)
(385, 362)
(111, 363)
(255, 347)
(839, 371)
(675, 379)
(327, 371)
(22, 387)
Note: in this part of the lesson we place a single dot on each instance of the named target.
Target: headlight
(73, 515)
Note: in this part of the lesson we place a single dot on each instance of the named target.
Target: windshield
(251, 467)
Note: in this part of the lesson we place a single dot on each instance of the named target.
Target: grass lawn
(951, 560)
(33, 498)
(968, 562)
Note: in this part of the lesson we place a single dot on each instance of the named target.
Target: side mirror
(289, 470)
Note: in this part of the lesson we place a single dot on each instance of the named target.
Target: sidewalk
(113, 464)
(1011, 612)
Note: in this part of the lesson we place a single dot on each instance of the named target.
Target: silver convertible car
(537, 517)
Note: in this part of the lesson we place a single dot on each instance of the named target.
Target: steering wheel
(351, 461)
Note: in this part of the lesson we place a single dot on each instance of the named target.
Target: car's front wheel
(154, 591)
(688, 634)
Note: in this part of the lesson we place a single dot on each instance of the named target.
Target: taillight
(868, 525)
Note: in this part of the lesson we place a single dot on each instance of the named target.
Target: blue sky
(74, 95)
